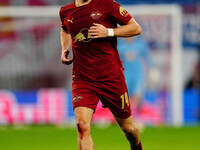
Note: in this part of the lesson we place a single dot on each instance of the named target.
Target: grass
(111, 138)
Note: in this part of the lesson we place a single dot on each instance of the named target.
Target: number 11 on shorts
(124, 98)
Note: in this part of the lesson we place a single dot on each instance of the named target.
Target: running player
(90, 26)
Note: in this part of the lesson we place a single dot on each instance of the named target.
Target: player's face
(83, 0)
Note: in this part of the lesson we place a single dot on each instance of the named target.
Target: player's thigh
(84, 95)
(116, 99)
(83, 113)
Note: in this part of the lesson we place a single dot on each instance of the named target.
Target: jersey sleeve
(120, 15)
(62, 18)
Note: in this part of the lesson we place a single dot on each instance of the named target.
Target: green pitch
(111, 138)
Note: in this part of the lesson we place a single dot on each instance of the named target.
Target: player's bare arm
(66, 41)
(128, 30)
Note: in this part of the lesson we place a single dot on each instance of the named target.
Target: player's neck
(82, 2)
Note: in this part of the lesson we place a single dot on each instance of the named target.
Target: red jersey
(94, 59)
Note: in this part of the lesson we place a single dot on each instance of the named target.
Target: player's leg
(122, 113)
(84, 102)
(114, 95)
(131, 132)
(83, 120)
(137, 92)
(116, 98)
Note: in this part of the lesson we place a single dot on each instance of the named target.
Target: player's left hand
(98, 31)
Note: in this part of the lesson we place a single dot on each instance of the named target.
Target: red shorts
(113, 94)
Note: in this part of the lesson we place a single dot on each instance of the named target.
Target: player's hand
(98, 31)
(64, 57)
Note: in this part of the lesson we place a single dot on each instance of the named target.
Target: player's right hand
(64, 57)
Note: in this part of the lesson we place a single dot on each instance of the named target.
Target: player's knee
(129, 129)
(83, 127)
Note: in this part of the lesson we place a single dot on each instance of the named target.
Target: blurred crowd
(194, 81)
(34, 2)
(63, 2)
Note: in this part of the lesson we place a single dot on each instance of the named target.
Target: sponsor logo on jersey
(123, 11)
(96, 15)
(82, 36)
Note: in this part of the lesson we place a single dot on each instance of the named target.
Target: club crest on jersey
(76, 98)
(70, 20)
(82, 36)
(96, 15)
(123, 12)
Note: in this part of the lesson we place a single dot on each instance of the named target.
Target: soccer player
(136, 57)
(90, 27)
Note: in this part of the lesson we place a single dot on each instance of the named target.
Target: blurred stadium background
(35, 88)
